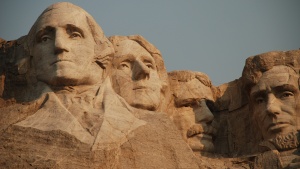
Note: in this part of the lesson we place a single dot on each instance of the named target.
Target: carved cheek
(260, 114)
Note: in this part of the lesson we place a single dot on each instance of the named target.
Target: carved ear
(30, 72)
(103, 62)
(104, 53)
(21, 55)
(23, 65)
(164, 87)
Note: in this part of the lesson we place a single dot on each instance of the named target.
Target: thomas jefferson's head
(139, 75)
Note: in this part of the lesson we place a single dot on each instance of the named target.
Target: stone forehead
(63, 8)
(155, 53)
(255, 66)
(58, 18)
(265, 61)
(190, 85)
(115, 40)
(185, 76)
(281, 69)
(193, 88)
(277, 76)
(128, 46)
(188, 92)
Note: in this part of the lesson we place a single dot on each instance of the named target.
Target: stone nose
(60, 44)
(272, 106)
(140, 71)
(203, 113)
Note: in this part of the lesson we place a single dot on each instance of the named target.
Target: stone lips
(177, 120)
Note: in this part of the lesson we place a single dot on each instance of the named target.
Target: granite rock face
(72, 98)
(59, 110)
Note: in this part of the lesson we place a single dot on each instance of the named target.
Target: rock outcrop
(72, 98)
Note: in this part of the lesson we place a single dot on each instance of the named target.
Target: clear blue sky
(210, 36)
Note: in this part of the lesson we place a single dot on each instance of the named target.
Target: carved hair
(186, 76)
(255, 66)
(103, 48)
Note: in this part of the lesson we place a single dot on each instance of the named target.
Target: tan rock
(72, 98)
(191, 112)
(2, 41)
(271, 81)
(66, 113)
(139, 74)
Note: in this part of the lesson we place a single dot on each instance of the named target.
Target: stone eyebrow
(286, 87)
(126, 60)
(42, 31)
(151, 60)
(45, 29)
(281, 88)
(74, 28)
(127, 57)
(148, 60)
(258, 93)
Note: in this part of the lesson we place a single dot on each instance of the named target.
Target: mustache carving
(203, 128)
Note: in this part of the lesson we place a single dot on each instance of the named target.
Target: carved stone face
(63, 51)
(135, 77)
(274, 100)
(193, 116)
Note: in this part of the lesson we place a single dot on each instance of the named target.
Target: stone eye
(286, 94)
(210, 105)
(124, 65)
(75, 35)
(45, 38)
(149, 65)
(259, 100)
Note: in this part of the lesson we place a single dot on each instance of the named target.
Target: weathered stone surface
(2, 56)
(139, 74)
(66, 113)
(271, 80)
(193, 99)
(266, 109)
(154, 144)
(72, 98)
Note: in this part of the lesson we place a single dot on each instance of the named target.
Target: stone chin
(146, 101)
(57, 80)
(143, 105)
